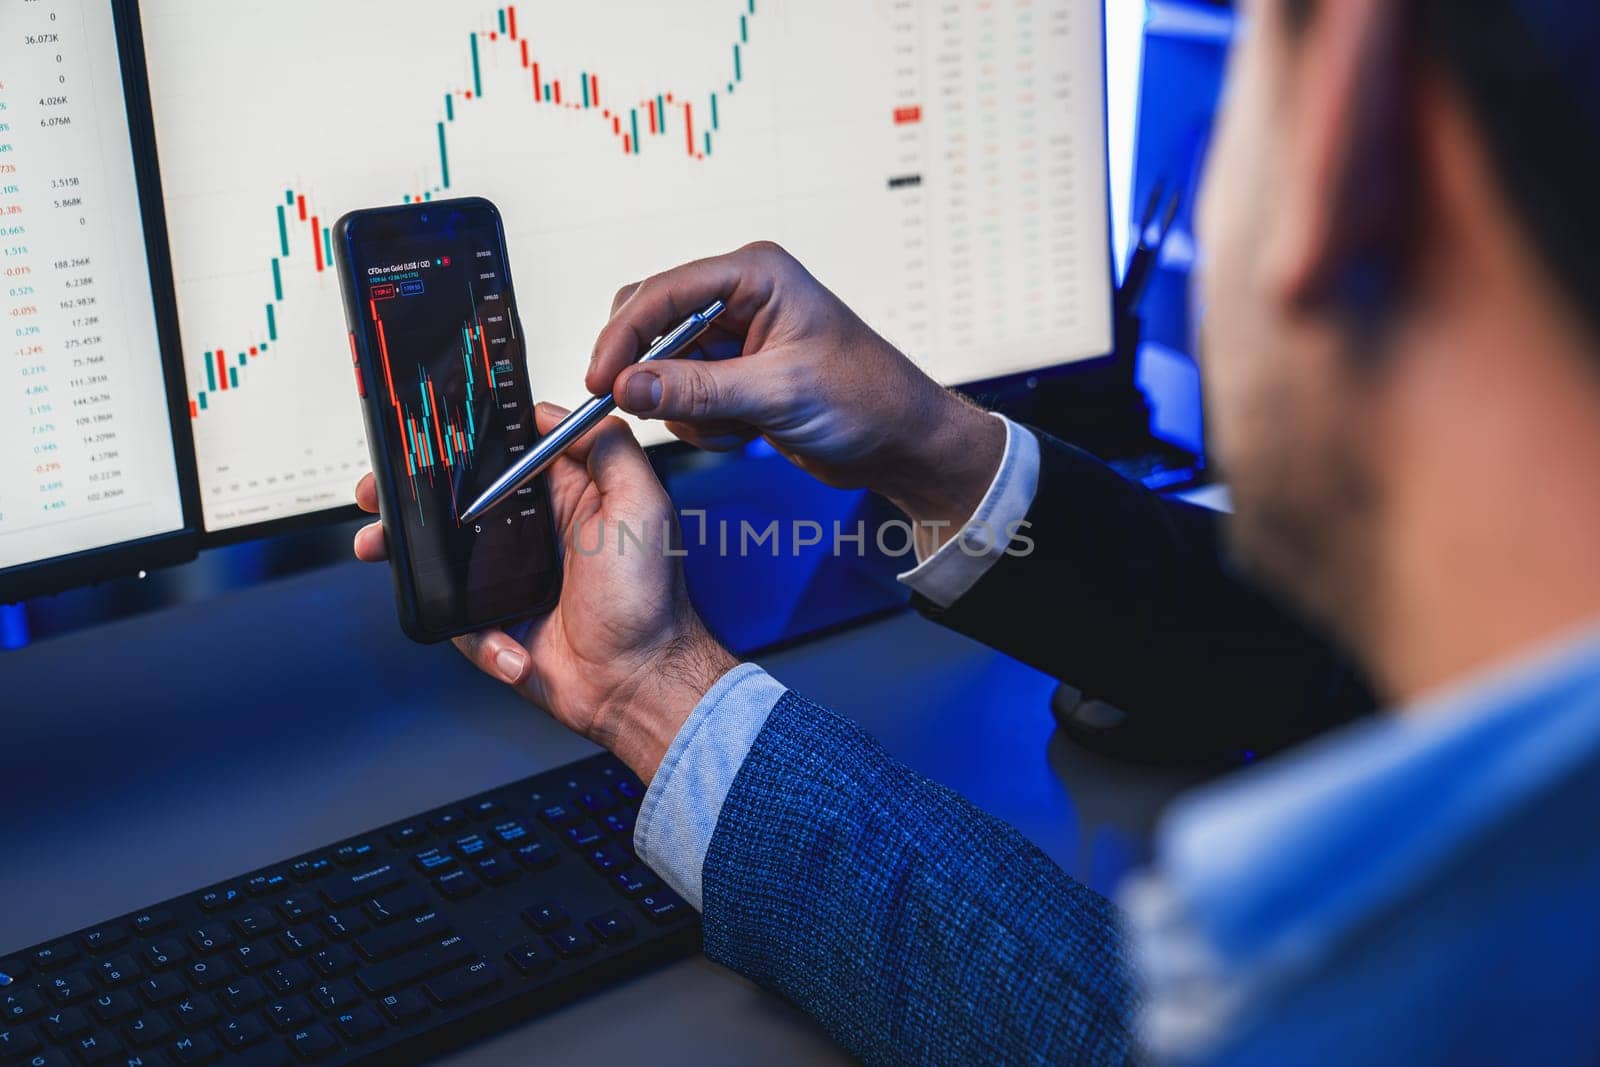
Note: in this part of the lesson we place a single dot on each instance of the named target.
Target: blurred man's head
(1402, 307)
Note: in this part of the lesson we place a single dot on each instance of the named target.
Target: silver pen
(588, 415)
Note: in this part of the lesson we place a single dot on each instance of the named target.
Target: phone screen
(447, 378)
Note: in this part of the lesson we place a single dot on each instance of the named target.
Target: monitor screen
(87, 454)
(941, 165)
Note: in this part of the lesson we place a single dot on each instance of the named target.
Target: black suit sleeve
(1131, 598)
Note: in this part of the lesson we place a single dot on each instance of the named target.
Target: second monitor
(941, 165)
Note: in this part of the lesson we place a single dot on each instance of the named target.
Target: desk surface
(147, 758)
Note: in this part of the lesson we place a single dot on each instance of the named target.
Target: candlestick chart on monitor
(932, 160)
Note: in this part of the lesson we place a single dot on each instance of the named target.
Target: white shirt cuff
(945, 576)
(684, 801)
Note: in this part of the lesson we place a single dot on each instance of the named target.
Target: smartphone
(441, 369)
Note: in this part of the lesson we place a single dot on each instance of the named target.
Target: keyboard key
(97, 1047)
(611, 927)
(242, 1032)
(662, 907)
(194, 1048)
(254, 922)
(535, 855)
(266, 883)
(583, 836)
(298, 940)
(475, 979)
(445, 822)
(286, 978)
(309, 870)
(391, 941)
(153, 922)
(412, 967)
(433, 860)
(530, 958)
(62, 1023)
(69, 988)
(254, 957)
(608, 859)
(117, 971)
(636, 882)
(619, 824)
(290, 1013)
(114, 1007)
(105, 939)
(359, 1023)
(315, 1042)
(242, 994)
(343, 924)
(468, 846)
(571, 943)
(496, 870)
(403, 1006)
(17, 1042)
(162, 988)
(53, 957)
(354, 854)
(219, 899)
(629, 790)
(396, 905)
(298, 908)
(164, 953)
(453, 885)
(407, 835)
(348, 888)
(334, 996)
(19, 1005)
(598, 801)
(335, 959)
(509, 831)
(487, 808)
(213, 937)
(560, 816)
(546, 917)
(193, 1013)
(49, 1057)
(146, 1031)
(204, 974)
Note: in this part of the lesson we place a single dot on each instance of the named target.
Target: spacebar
(403, 970)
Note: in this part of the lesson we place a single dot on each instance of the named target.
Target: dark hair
(1543, 136)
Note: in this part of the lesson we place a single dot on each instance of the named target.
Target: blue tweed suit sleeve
(915, 927)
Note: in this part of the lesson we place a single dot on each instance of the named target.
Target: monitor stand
(1104, 412)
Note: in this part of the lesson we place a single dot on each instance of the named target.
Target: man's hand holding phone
(624, 658)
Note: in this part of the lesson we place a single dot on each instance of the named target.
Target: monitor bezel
(1006, 392)
(123, 559)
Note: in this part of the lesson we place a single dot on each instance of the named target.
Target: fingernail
(509, 663)
(644, 392)
(553, 410)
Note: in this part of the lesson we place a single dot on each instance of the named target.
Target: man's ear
(1350, 180)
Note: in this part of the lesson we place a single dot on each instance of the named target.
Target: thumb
(618, 466)
(701, 391)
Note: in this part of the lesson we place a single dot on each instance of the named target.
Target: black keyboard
(389, 947)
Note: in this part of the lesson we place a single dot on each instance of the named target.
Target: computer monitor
(95, 472)
(941, 165)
